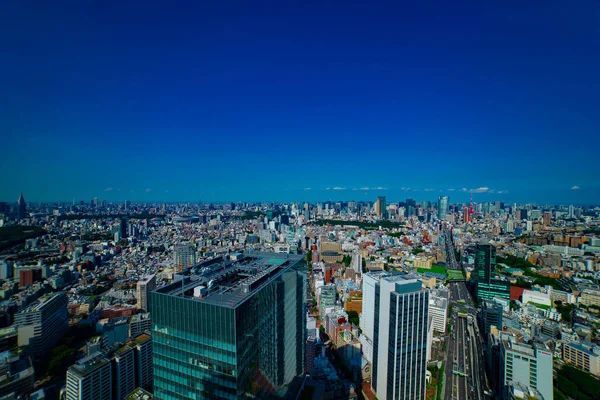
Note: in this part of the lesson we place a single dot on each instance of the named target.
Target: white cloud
(327, 189)
(429, 190)
(148, 190)
(108, 189)
(451, 190)
(480, 190)
(307, 188)
(463, 189)
(364, 188)
(354, 189)
(575, 188)
(339, 188)
(502, 191)
(379, 188)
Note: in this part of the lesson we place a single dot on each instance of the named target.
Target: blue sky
(233, 101)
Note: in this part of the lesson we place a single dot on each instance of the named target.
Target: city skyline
(260, 105)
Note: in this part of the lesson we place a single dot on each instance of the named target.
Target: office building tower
(144, 287)
(438, 309)
(123, 227)
(491, 315)
(95, 202)
(395, 319)
(522, 214)
(525, 365)
(184, 256)
(21, 208)
(381, 207)
(466, 215)
(139, 323)
(123, 371)
(239, 328)
(90, 379)
(327, 296)
(585, 356)
(547, 218)
(42, 324)
(442, 207)
(144, 368)
(127, 205)
(17, 375)
(570, 215)
(487, 287)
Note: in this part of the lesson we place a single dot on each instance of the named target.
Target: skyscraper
(487, 287)
(547, 217)
(43, 323)
(442, 207)
(123, 227)
(90, 379)
(184, 256)
(395, 316)
(21, 208)
(144, 287)
(236, 329)
(381, 207)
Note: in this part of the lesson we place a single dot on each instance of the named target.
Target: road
(465, 368)
(465, 376)
(449, 247)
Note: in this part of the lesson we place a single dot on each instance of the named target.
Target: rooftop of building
(145, 279)
(586, 347)
(228, 283)
(89, 364)
(139, 394)
(140, 317)
(41, 302)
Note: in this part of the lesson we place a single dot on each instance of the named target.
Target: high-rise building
(526, 365)
(547, 217)
(90, 379)
(127, 205)
(184, 256)
(123, 228)
(21, 208)
(438, 309)
(381, 207)
(144, 287)
(123, 371)
(18, 375)
(42, 324)
(236, 329)
(491, 315)
(487, 287)
(571, 211)
(523, 214)
(144, 368)
(139, 323)
(394, 320)
(442, 207)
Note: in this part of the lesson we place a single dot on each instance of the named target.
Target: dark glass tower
(21, 208)
(485, 262)
(485, 269)
(233, 327)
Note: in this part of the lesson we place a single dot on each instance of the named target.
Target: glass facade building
(442, 207)
(487, 287)
(236, 328)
